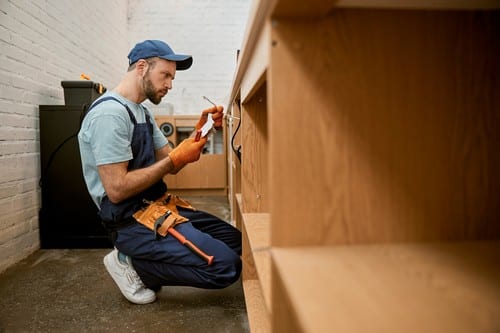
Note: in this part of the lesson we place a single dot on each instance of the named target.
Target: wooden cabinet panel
(391, 143)
(254, 168)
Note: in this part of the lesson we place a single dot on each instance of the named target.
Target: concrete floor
(69, 290)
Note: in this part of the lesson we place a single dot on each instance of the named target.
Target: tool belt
(162, 214)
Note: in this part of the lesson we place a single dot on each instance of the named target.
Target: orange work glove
(186, 152)
(217, 114)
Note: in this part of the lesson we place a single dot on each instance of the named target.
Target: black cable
(237, 151)
(56, 150)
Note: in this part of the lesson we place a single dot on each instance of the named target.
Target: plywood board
(320, 8)
(257, 230)
(255, 74)
(384, 127)
(440, 287)
(258, 318)
(254, 167)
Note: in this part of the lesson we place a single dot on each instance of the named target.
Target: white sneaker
(128, 281)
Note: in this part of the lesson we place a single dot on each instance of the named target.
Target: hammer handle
(191, 246)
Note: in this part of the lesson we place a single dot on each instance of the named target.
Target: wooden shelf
(256, 245)
(257, 67)
(258, 318)
(319, 8)
(238, 200)
(438, 287)
(257, 228)
(256, 267)
(236, 211)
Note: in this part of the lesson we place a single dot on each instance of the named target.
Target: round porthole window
(167, 129)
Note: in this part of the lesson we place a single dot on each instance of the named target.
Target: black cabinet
(68, 216)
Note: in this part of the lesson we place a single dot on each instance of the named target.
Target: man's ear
(142, 67)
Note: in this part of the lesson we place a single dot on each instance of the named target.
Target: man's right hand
(186, 152)
(217, 114)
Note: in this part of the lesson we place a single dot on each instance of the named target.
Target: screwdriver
(198, 133)
(209, 101)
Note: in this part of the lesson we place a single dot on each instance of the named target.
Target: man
(124, 158)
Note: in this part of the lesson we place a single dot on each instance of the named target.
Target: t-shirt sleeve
(109, 137)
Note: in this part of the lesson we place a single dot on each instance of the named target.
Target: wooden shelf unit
(370, 134)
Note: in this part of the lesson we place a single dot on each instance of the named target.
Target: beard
(149, 90)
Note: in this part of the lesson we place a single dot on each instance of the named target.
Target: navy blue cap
(157, 48)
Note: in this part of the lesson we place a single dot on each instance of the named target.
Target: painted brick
(14, 231)
(18, 248)
(40, 47)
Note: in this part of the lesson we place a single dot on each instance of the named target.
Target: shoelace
(134, 280)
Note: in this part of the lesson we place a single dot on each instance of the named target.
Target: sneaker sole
(107, 263)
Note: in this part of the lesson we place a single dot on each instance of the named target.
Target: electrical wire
(237, 151)
(45, 171)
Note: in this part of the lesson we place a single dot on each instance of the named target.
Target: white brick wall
(41, 44)
(45, 42)
(210, 30)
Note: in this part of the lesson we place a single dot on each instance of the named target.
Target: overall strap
(111, 98)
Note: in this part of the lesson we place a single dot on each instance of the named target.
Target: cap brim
(183, 61)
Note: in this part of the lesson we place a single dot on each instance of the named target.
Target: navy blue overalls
(165, 261)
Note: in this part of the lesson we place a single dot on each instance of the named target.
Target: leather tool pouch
(162, 214)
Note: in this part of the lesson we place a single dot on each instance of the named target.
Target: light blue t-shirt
(105, 137)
